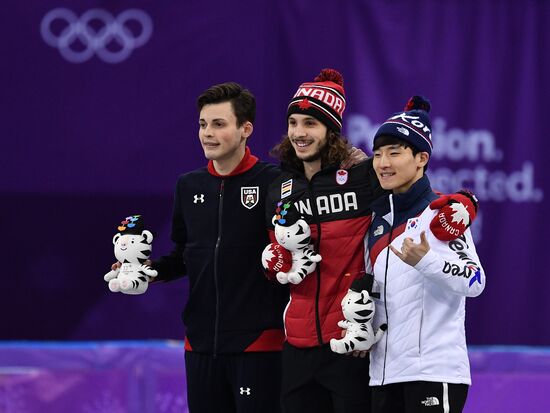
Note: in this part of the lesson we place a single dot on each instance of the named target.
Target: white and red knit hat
(324, 99)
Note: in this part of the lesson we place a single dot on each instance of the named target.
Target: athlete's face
(307, 135)
(221, 139)
(397, 168)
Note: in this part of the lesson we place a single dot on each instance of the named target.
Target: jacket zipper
(216, 286)
(385, 290)
(318, 269)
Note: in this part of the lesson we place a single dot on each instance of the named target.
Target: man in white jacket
(423, 278)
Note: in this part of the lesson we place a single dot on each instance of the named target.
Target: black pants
(318, 380)
(233, 383)
(418, 397)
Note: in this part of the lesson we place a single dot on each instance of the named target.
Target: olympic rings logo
(96, 38)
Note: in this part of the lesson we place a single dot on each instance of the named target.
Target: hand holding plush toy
(292, 234)
(133, 245)
(358, 309)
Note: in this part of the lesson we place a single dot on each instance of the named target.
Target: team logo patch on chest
(341, 176)
(250, 196)
(412, 223)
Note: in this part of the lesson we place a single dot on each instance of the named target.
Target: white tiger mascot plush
(293, 234)
(133, 246)
(358, 308)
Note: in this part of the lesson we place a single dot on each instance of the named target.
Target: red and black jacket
(336, 204)
(218, 228)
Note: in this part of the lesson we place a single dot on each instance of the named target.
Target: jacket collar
(246, 163)
(396, 203)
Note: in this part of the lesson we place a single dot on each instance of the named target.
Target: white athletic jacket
(424, 305)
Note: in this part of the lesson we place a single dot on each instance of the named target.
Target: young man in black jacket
(233, 317)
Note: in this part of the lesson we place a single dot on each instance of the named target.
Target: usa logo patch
(412, 223)
(341, 176)
(286, 188)
(250, 196)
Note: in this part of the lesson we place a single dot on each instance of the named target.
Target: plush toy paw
(456, 213)
(295, 278)
(111, 275)
(147, 270)
(114, 285)
(315, 257)
(282, 277)
(343, 324)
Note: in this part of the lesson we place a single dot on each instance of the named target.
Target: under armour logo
(198, 198)
(245, 391)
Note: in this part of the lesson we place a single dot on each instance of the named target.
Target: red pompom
(330, 75)
(418, 102)
(276, 258)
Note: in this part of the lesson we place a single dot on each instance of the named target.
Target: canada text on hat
(324, 99)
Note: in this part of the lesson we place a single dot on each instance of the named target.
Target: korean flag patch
(412, 223)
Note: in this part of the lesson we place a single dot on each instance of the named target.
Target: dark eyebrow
(213, 120)
(308, 117)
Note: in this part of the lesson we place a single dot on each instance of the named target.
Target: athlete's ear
(424, 157)
(248, 128)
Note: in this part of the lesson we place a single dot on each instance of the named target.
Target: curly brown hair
(333, 152)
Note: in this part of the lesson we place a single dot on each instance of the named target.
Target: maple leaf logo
(269, 257)
(304, 104)
(460, 214)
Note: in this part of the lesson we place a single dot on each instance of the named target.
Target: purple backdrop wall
(95, 127)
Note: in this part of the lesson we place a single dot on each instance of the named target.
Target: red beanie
(324, 99)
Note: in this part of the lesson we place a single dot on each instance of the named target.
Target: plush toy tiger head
(357, 304)
(295, 236)
(291, 231)
(133, 244)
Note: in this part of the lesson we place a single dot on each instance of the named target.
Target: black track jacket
(219, 230)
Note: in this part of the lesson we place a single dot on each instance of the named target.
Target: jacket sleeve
(454, 265)
(172, 266)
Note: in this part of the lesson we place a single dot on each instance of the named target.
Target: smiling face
(293, 237)
(128, 248)
(222, 140)
(307, 136)
(397, 168)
